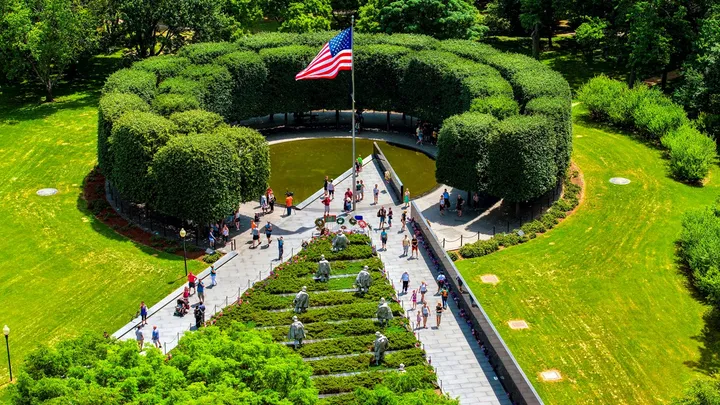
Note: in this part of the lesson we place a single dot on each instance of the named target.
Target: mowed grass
(301, 166)
(605, 300)
(63, 271)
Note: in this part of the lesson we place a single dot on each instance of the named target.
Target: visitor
(438, 313)
(237, 220)
(264, 204)
(143, 313)
(446, 196)
(418, 134)
(213, 275)
(156, 336)
(139, 337)
(211, 239)
(359, 163)
(271, 199)
(201, 291)
(347, 205)
(288, 203)
(389, 217)
(106, 335)
(423, 290)
(362, 190)
(418, 318)
(348, 194)
(406, 246)
(255, 236)
(226, 233)
(358, 190)
(459, 204)
(325, 186)
(186, 293)
(460, 284)
(403, 221)
(376, 194)
(383, 239)
(326, 202)
(440, 282)
(425, 314)
(476, 202)
(387, 177)
(406, 198)
(414, 245)
(281, 248)
(413, 298)
(191, 282)
(405, 278)
(444, 297)
(331, 189)
(442, 205)
(268, 232)
(382, 214)
(199, 316)
(256, 218)
(434, 137)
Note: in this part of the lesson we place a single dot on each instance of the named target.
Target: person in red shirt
(326, 203)
(191, 282)
(349, 194)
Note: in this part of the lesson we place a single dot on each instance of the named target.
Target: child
(418, 319)
(413, 297)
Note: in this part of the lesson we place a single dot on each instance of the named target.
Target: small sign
(331, 218)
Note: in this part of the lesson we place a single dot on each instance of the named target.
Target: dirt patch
(94, 195)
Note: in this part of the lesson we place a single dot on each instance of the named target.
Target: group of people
(426, 133)
(444, 203)
(443, 290)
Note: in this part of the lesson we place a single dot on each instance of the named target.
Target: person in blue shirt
(383, 238)
(143, 313)
(405, 278)
(201, 291)
(446, 196)
(281, 244)
(156, 336)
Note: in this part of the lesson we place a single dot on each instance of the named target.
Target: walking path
(461, 366)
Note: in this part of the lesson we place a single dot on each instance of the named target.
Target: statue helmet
(402, 367)
(294, 318)
(304, 288)
(322, 257)
(382, 300)
(378, 334)
(366, 268)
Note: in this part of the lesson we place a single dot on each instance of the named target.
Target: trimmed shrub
(133, 81)
(534, 83)
(254, 152)
(463, 151)
(558, 110)
(283, 93)
(249, 77)
(700, 249)
(521, 160)
(656, 115)
(413, 41)
(197, 121)
(216, 84)
(112, 106)
(136, 137)
(206, 52)
(508, 239)
(196, 178)
(548, 220)
(181, 85)
(532, 228)
(267, 40)
(599, 94)
(481, 248)
(453, 256)
(691, 153)
(166, 104)
(163, 66)
(378, 70)
(499, 106)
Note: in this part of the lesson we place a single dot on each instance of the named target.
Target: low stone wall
(395, 183)
(512, 377)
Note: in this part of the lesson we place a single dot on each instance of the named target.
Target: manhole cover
(44, 192)
(489, 279)
(619, 180)
(551, 375)
(518, 324)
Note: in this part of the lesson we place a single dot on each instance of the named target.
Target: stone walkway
(461, 367)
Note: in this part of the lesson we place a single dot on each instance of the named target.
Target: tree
(207, 366)
(40, 39)
(540, 14)
(700, 392)
(440, 19)
(307, 16)
(590, 36)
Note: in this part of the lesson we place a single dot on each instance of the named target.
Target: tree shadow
(709, 337)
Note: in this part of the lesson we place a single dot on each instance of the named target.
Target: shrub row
(333, 385)
(700, 249)
(654, 116)
(266, 300)
(557, 211)
(366, 362)
(323, 330)
(399, 339)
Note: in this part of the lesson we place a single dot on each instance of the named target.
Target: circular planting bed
(300, 166)
(164, 136)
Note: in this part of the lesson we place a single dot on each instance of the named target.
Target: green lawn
(602, 293)
(301, 166)
(64, 272)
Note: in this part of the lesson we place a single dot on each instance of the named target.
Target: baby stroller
(182, 307)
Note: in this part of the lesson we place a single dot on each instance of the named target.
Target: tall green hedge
(197, 177)
(521, 164)
(468, 85)
(112, 107)
(463, 150)
(136, 137)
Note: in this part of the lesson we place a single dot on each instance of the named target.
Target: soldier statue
(384, 313)
(340, 242)
(297, 332)
(323, 271)
(363, 280)
(380, 346)
(301, 301)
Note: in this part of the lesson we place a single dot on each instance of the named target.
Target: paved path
(461, 366)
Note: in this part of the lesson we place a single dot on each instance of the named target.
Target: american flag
(335, 56)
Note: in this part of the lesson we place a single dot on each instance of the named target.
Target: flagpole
(352, 95)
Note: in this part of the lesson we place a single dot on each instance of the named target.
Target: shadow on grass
(709, 337)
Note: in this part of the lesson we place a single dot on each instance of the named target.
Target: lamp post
(182, 235)
(6, 332)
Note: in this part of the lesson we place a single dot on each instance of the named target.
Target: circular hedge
(505, 117)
